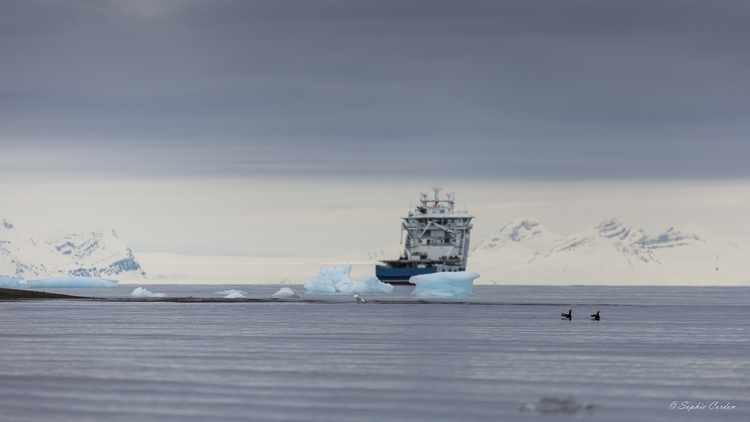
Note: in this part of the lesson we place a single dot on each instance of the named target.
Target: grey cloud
(479, 89)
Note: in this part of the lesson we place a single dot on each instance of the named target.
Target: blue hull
(400, 275)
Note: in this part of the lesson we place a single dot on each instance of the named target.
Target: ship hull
(400, 276)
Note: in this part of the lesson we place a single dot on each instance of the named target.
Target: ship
(437, 240)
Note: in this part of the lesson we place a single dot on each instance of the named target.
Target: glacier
(337, 280)
(456, 284)
(285, 293)
(141, 292)
(72, 283)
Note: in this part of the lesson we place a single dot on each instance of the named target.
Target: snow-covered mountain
(521, 240)
(611, 253)
(94, 254)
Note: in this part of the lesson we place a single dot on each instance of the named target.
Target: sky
(275, 128)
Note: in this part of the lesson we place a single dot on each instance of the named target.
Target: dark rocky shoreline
(13, 294)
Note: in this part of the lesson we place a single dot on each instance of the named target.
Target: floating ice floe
(336, 280)
(72, 283)
(235, 295)
(141, 292)
(449, 284)
(229, 292)
(286, 293)
(12, 283)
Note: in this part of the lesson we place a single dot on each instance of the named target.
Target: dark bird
(595, 316)
(569, 315)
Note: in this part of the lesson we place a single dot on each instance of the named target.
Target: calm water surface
(494, 357)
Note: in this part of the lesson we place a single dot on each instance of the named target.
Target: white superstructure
(437, 239)
(436, 232)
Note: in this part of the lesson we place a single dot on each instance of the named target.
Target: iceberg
(336, 280)
(235, 295)
(6, 281)
(457, 284)
(286, 293)
(72, 283)
(12, 283)
(141, 292)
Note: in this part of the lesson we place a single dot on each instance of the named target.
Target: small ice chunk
(337, 280)
(229, 292)
(72, 283)
(285, 293)
(141, 292)
(235, 295)
(449, 284)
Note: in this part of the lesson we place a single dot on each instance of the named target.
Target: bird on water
(359, 299)
(569, 315)
(595, 316)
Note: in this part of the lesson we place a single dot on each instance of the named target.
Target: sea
(656, 354)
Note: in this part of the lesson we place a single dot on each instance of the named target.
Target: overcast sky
(167, 105)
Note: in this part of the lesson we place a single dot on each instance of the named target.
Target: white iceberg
(286, 293)
(229, 292)
(336, 280)
(72, 283)
(7, 282)
(456, 284)
(141, 292)
(235, 295)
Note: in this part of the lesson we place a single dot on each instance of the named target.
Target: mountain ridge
(610, 252)
(98, 253)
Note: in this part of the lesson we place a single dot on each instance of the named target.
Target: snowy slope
(93, 254)
(521, 240)
(524, 252)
